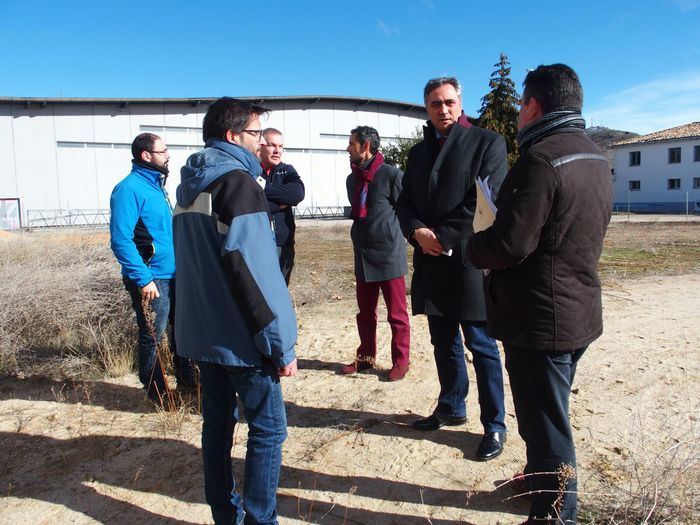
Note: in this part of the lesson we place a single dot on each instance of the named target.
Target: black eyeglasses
(161, 152)
(255, 132)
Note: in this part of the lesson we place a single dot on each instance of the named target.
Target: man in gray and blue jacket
(235, 316)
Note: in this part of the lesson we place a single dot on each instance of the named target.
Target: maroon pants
(394, 292)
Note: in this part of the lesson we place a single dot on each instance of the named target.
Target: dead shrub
(62, 305)
(653, 479)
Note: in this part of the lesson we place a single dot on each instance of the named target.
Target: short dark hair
(435, 83)
(271, 131)
(143, 142)
(367, 134)
(229, 113)
(556, 87)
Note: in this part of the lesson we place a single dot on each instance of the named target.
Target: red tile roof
(686, 131)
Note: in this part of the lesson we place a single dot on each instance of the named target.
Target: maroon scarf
(463, 121)
(362, 179)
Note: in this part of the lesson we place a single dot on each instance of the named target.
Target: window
(635, 158)
(696, 183)
(674, 155)
(674, 184)
(697, 153)
(635, 185)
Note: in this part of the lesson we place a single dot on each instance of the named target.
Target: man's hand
(284, 206)
(289, 370)
(428, 242)
(149, 292)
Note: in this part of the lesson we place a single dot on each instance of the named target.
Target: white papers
(485, 211)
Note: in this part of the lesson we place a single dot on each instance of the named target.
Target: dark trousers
(286, 257)
(151, 333)
(541, 383)
(394, 292)
(452, 370)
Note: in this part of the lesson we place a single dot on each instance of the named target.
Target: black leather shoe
(491, 446)
(437, 420)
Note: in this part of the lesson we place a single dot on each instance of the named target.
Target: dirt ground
(98, 452)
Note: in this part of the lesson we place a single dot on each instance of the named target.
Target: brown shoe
(357, 366)
(397, 373)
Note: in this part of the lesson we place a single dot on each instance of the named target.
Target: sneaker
(355, 367)
(397, 373)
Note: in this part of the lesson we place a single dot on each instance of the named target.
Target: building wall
(68, 156)
(653, 174)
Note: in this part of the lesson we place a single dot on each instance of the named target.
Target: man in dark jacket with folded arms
(234, 316)
(380, 252)
(436, 211)
(284, 190)
(543, 295)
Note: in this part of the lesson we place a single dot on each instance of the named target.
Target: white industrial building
(60, 158)
(659, 172)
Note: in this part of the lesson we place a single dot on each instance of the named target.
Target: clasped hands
(428, 241)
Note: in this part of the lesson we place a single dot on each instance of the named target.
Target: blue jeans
(150, 368)
(452, 370)
(260, 394)
(541, 383)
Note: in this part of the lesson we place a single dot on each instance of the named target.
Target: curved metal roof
(360, 101)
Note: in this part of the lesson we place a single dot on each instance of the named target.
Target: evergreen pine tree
(499, 107)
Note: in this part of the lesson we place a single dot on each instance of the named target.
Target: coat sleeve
(408, 218)
(124, 214)
(396, 187)
(451, 230)
(522, 212)
(249, 259)
(289, 191)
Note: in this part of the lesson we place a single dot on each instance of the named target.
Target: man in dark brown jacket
(542, 293)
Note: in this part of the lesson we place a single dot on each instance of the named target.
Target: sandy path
(96, 452)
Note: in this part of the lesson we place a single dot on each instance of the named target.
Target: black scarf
(554, 122)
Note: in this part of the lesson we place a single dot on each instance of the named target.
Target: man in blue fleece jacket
(235, 316)
(141, 237)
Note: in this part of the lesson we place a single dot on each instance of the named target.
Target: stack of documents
(485, 212)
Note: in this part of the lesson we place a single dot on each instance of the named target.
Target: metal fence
(37, 219)
(322, 212)
(67, 218)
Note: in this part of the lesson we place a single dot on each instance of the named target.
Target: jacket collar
(151, 175)
(456, 132)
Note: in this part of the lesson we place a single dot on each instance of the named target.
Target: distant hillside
(603, 137)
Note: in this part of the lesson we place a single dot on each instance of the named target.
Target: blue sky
(639, 61)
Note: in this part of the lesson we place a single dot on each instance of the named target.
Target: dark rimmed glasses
(255, 132)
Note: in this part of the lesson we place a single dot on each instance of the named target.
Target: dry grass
(63, 309)
(655, 479)
(324, 268)
(64, 312)
(633, 250)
